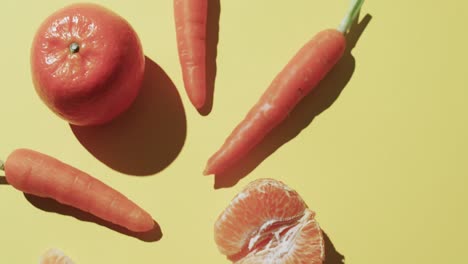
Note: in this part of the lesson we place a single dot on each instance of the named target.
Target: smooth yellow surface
(383, 161)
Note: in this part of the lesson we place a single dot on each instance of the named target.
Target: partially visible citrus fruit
(87, 64)
(268, 222)
(55, 256)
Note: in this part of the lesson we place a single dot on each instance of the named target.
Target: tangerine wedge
(55, 256)
(268, 222)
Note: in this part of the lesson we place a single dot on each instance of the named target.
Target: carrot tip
(198, 104)
(207, 172)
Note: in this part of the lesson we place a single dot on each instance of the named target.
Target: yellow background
(380, 152)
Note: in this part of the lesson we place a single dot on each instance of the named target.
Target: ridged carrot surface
(190, 21)
(297, 79)
(38, 174)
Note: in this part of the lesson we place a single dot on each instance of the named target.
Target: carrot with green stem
(297, 79)
(190, 21)
(41, 175)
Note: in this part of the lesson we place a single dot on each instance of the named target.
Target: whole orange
(87, 64)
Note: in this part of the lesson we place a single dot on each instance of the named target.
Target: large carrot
(297, 79)
(38, 174)
(190, 21)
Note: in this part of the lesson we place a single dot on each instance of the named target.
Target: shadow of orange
(3, 180)
(149, 136)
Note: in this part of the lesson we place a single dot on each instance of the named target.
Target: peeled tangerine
(268, 222)
(55, 256)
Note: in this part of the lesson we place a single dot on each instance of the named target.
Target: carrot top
(354, 9)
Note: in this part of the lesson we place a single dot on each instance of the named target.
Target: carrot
(190, 21)
(297, 79)
(38, 174)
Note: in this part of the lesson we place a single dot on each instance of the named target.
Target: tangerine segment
(268, 222)
(301, 243)
(55, 256)
(261, 204)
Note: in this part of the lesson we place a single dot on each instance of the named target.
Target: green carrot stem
(350, 15)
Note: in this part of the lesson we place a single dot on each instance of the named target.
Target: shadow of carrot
(212, 37)
(149, 136)
(304, 113)
(50, 205)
